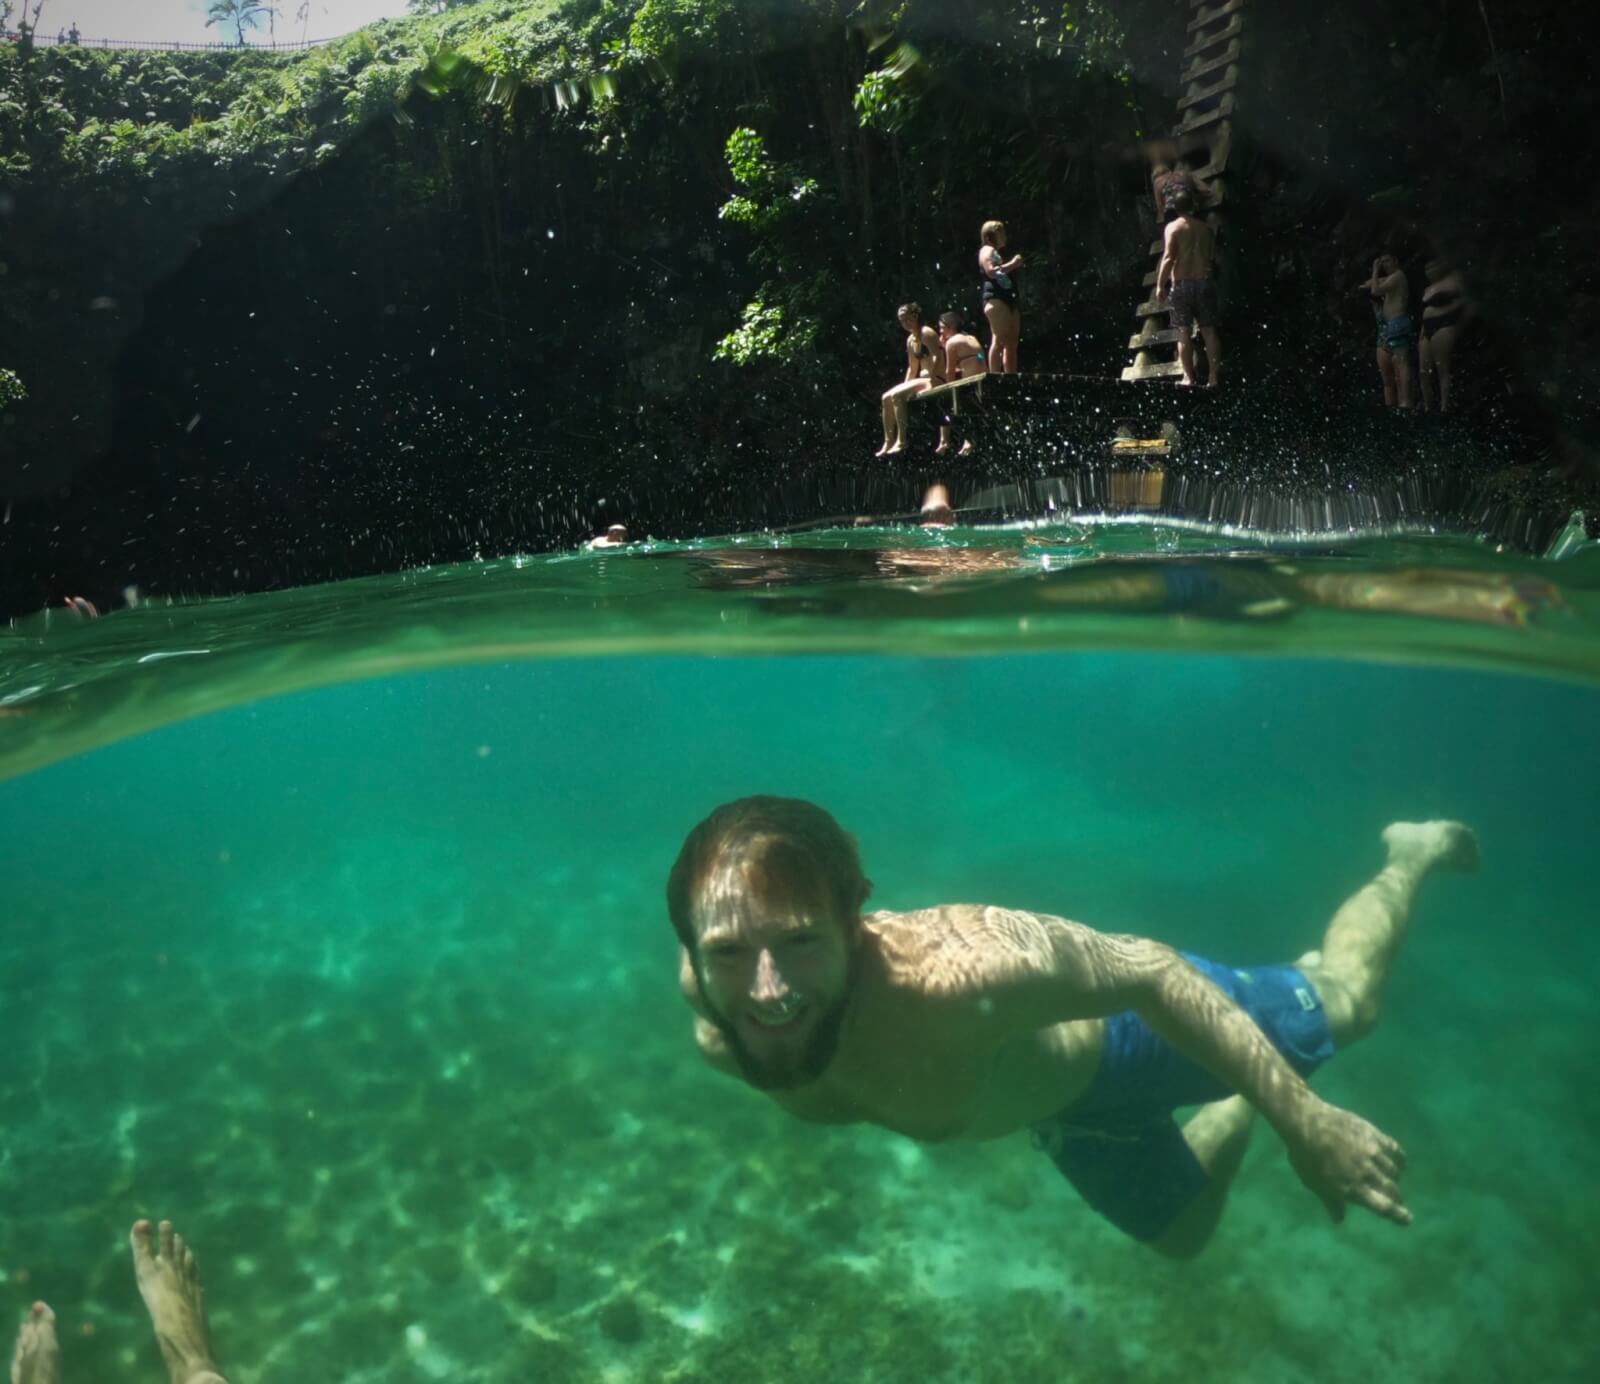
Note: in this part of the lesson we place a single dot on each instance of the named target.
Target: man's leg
(1361, 942)
(1186, 354)
(1348, 974)
(1213, 355)
(1386, 374)
(1217, 1134)
(37, 1359)
(1402, 375)
(169, 1283)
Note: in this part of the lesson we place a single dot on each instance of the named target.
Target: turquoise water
(370, 986)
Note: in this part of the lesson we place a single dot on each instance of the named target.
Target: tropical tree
(242, 14)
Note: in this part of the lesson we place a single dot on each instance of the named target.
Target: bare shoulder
(974, 949)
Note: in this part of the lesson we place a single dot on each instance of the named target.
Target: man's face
(776, 977)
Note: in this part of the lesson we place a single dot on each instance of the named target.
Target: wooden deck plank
(1164, 370)
(1164, 336)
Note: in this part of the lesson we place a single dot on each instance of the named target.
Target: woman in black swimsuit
(924, 369)
(1446, 311)
(999, 289)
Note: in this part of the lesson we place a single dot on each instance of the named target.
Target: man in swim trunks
(1185, 277)
(971, 1022)
(1391, 296)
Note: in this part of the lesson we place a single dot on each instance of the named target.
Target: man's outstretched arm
(1047, 970)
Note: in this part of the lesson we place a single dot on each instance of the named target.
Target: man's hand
(1342, 1158)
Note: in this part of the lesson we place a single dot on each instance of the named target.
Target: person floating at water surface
(965, 1021)
(169, 1283)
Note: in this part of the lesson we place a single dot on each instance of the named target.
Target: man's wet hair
(789, 849)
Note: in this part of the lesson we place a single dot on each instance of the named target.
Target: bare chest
(934, 1091)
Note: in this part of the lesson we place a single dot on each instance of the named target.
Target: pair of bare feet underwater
(169, 1283)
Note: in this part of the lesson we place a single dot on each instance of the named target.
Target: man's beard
(791, 1067)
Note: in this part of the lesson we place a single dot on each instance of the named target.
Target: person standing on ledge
(924, 369)
(1186, 268)
(970, 1022)
(1391, 296)
(999, 294)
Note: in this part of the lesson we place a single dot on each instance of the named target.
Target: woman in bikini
(999, 289)
(964, 357)
(924, 369)
(1446, 313)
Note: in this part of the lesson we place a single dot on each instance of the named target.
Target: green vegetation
(582, 249)
(242, 14)
(12, 390)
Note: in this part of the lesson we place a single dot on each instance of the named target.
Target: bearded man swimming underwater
(965, 1021)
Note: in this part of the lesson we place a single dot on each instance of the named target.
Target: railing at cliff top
(173, 46)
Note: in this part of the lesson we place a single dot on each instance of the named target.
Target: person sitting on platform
(999, 293)
(1390, 294)
(924, 369)
(964, 357)
(1446, 313)
(1186, 270)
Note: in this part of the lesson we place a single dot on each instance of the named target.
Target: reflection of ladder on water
(1204, 133)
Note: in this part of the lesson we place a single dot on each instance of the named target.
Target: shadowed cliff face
(431, 319)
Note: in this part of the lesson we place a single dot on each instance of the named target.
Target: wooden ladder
(1206, 84)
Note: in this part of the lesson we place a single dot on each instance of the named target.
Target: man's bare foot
(942, 450)
(893, 451)
(169, 1283)
(966, 449)
(1431, 845)
(38, 1357)
(883, 451)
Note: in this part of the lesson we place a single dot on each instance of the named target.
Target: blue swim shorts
(1118, 1143)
